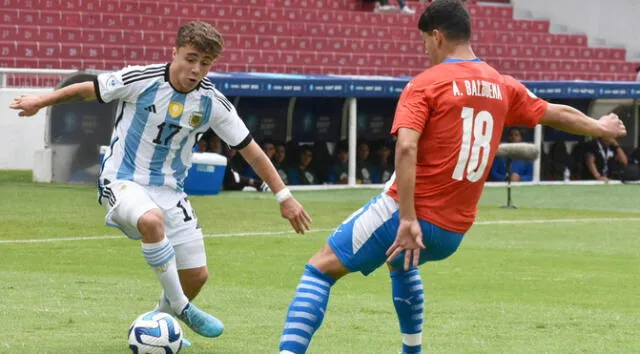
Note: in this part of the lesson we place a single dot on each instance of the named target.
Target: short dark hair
(448, 16)
(201, 36)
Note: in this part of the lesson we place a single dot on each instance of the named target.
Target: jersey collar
(455, 60)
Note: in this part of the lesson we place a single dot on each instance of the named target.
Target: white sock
(164, 305)
(162, 258)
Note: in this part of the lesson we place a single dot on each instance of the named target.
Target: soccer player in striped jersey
(162, 109)
(448, 122)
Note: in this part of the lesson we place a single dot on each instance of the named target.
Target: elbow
(406, 148)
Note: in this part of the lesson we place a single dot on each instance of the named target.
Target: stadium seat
(319, 36)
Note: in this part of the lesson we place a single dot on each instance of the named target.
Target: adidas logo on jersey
(151, 108)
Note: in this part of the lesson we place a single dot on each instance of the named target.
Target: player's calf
(408, 300)
(306, 311)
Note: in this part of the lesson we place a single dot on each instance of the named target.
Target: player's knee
(325, 255)
(151, 224)
(328, 262)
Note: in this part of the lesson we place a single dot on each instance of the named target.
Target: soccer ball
(155, 333)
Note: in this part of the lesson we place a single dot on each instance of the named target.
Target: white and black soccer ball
(155, 333)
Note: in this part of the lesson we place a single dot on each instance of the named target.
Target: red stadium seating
(298, 36)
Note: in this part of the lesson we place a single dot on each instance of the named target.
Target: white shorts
(126, 201)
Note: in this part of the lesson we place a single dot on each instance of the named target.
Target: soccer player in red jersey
(448, 122)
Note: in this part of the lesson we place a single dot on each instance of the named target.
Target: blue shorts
(362, 240)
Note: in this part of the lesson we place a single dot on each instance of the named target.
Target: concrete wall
(20, 137)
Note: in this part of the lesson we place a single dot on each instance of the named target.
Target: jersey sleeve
(227, 124)
(124, 85)
(412, 110)
(525, 108)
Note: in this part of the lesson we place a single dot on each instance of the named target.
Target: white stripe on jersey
(156, 126)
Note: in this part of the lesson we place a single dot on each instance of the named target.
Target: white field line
(546, 221)
(273, 233)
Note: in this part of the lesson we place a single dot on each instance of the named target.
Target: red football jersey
(461, 108)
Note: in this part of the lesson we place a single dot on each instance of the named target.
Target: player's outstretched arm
(290, 208)
(573, 121)
(29, 105)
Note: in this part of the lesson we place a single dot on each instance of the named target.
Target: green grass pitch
(561, 274)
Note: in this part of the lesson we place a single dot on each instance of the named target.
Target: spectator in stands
(521, 171)
(302, 173)
(383, 166)
(279, 161)
(269, 149)
(322, 158)
(559, 162)
(363, 166)
(339, 172)
(234, 180)
(638, 74)
(578, 155)
(383, 6)
(605, 159)
(209, 142)
(202, 145)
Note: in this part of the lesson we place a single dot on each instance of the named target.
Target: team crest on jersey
(175, 109)
(112, 82)
(196, 119)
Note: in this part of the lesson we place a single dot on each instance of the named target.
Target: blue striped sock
(162, 258)
(306, 310)
(158, 254)
(408, 299)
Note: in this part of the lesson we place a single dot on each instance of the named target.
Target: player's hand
(293, 211)
(603, 179)
(612, 126)
(408, 239)
(28, 104)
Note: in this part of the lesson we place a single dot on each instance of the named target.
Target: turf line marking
(273, 233)
(517, 222)
(111, 237)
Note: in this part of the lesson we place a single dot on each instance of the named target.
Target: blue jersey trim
(162, 149)
(455, 60)
(178, 166)
(135, 132)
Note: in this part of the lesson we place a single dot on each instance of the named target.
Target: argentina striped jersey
(156, 126)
